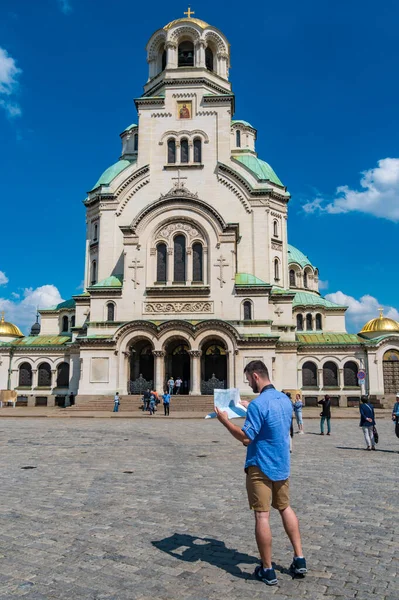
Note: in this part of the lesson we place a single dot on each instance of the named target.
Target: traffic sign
(361, 375)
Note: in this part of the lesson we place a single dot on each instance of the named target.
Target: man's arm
(233, 429)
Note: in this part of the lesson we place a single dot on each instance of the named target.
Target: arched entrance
(213, 366)
(177, 363)
(390, 365)
(141, 367)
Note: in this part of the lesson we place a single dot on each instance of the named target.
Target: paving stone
(178, 526)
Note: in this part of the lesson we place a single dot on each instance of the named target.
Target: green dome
(132, 126)
(298, 257)
(261, 169)
(112, 171)
(243, 123)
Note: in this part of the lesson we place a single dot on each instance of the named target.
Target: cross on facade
(278, 311)
(221, 263)
(135, 265)
(189, 12)
(178, 180)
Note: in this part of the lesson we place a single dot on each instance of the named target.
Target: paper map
(228, 401)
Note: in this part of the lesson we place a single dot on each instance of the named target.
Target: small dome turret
(380, 326)
(35, 329)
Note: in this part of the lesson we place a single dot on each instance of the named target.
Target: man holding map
(266, 435)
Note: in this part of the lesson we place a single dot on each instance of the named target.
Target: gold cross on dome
(2, 316)
(189, 12)
(381, 312)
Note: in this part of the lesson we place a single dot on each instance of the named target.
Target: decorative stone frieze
(177, 307)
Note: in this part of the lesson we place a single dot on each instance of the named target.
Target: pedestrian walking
(325, 414)
(166, 403)
(298, 405)
(288, 394)
(152, 403)
(367, 422)
(116, 402)
(146, 399)
(178, 383)
(395, 415)
(266, 435)
(171, 385)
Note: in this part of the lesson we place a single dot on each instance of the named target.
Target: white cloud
(23, 313)
(379, 195)
(65, 6)
(3, 278)
(9, 73)
(361, 311)
(323, 285)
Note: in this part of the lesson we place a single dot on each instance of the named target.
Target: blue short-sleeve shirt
(267, 425)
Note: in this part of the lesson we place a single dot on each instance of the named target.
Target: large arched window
(305, 279)
(95, 233)
(276, 270)
(65, 324)
(350, 374)
(238, 138)
(309, 374)
(247, 310)
(186, 54)
(179, 251)
(184, 150)
(319, 322)
(25, 375)
(161, 263)
(275, 229)
(44, 375)
(209, 59)
(163, 62)
(309, 322)
(136, 142)
(299, 322)
(171, 151)
(197, 151)
(63, 375)
(93, 276)
(198, 268)
(292, 278)
(110, 311)
(330, 374)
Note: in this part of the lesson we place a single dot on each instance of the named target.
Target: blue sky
(317, 79)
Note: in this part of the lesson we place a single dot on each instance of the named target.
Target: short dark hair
(365, 399)
(258, 367)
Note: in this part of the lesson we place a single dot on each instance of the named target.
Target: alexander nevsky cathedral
(188, 269)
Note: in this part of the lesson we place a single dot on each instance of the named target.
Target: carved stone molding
(195, 353)
(167, 231)
(177, 307)
(274, 214)
(276, 246)
(159, 353)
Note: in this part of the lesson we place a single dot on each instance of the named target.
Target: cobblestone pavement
(119, 509)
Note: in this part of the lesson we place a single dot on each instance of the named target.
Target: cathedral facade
(188, 269)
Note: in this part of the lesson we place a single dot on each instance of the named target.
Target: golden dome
(198, 22)
(8, 329)
(381, 324)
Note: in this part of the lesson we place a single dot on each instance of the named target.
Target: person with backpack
(325, 414)
(298, 404)
(367, 422)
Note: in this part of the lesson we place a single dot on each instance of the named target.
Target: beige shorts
(263, 492)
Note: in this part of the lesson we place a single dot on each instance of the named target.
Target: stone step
(133, 403)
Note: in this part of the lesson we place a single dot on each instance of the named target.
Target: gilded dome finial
(2, 316)
(189, 12)
(381, 312)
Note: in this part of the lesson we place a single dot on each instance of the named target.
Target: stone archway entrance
(177, 363)
(141, 367)
(213, 366)
(390, 365)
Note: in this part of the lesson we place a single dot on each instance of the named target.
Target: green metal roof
(113, 171)
(309, 299)
(114, 281)
(67, 304)
(261, 169)
(328, 338)
(132, 126)
(242, 123)
(248, 279)
(42, 340)
(296, 256)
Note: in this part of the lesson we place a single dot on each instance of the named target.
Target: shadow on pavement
(364, 449)
(189, 548)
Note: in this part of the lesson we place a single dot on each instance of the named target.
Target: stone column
(189, 266)
(34, 379)
(53, 378)
(159, 369)
(205, 265)
(320, 378)
(195, 372)
(200, 54)
(169, 266)
(171, 55)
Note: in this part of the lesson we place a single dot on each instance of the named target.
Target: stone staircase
(202, 404)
